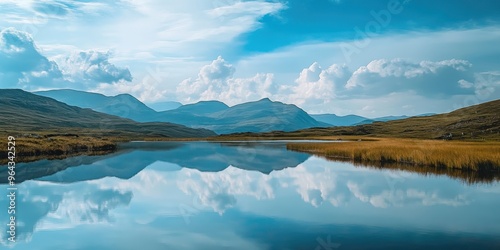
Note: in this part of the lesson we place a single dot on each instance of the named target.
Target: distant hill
(389, 118)
(202, 108)
(335, 120)
(352, 120)
(164, 106)
(24, 111)
(259, 116)
(123, 105)
(480, 121)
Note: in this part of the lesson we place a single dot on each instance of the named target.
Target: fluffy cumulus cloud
(440, 78)
(94, 66)
(318, 86)
(21, 64)
(216, 81)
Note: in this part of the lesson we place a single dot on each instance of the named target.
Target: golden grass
(27, 147)
(434, 153)
(61, 144)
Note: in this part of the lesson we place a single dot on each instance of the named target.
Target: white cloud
(427, 78)
(21, 64)
(215, 81)
(316, 86)
(94, 66)
(328, 90)
(194, 27)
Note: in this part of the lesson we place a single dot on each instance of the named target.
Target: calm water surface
(242, 195)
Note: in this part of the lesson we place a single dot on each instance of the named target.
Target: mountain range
(259, 116)
(24, 111)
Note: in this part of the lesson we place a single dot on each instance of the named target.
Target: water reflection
(135, 156)
(246, 196)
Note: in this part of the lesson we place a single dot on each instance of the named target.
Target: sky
(370, 58)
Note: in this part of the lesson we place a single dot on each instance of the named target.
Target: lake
(242, 195)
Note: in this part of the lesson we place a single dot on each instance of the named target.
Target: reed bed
(435, 153)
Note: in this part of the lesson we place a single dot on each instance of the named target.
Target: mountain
(202, 108)
(164, 106)
(259, 116)
(351, 120)
(24, 111)
(335, 120)
(481, 121)
(123, 105)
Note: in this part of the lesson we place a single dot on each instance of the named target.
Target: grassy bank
(476, 156)
(32, 146)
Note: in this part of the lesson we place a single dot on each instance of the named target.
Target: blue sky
(372, 58)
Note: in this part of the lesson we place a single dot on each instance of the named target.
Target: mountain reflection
(135, 156)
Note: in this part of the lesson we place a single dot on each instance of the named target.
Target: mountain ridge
(26, 111)
(123, 105)
(258, 116)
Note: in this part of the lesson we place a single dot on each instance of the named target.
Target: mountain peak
(127, 97)
(265, 100)
(211, 102)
